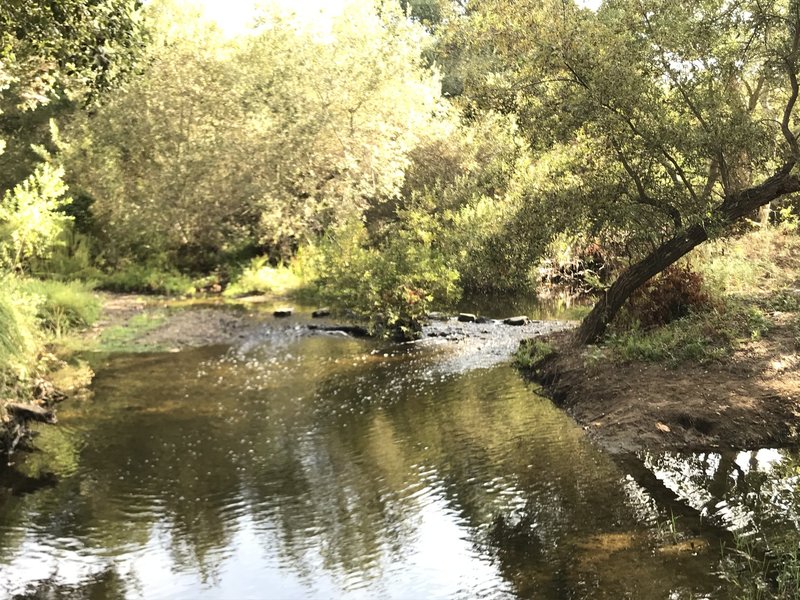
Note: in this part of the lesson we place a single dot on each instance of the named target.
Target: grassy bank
(34, 314)
(723, 370)
(743, 290)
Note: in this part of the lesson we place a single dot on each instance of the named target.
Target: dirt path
(750, 401)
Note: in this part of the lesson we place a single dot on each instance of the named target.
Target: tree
(265, 141)
(164, 158)
(678, 117)
(70, 50)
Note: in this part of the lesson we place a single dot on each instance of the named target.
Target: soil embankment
(751, 400)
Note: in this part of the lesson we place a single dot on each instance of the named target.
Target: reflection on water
(325, 467)
(754, 492)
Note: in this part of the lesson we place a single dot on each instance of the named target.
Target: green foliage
(532, 352)
(62, 306)
(18, 334)
(51, 47)
(30, 217)
(699, 337)
(70, 259)
(147, 279)
(259, 277)
(269, 139)
(393, 283)
(758, 575)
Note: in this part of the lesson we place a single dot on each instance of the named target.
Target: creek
(322, 466)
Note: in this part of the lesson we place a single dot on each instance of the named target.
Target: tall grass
(61, 306)
(18, 336)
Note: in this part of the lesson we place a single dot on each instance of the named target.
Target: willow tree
(677, 118)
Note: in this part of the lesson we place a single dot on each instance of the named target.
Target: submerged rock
(353, 330)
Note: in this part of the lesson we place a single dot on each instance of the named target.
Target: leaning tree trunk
(734, 207)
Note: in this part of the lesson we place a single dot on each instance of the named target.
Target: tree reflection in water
(332, 467)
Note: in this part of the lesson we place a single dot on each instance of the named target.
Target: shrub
(259, 277)
(71, 258)
(531, 352)
(147, 279)
(392, 283)
(30, 217)
(670, 296)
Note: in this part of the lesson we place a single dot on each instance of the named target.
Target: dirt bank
(751, 400)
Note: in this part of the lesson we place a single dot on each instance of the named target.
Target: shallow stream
(320, 466)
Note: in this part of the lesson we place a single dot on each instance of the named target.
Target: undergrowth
(259, 277)
(144, 279)
(759, 575)
(699, 337)
(531, 352)
(62, 306)
(704, 313)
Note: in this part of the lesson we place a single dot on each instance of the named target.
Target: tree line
(418, 149)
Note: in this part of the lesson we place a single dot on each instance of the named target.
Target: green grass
(62, 306)
(701, 337)
(18, 334)
(123, 338)
(531, 352)
(757, 575)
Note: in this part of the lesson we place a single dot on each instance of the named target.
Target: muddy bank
(751, 400)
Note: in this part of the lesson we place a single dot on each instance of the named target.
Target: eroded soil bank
(751, 400)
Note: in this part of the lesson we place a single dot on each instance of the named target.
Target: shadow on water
(323, 466)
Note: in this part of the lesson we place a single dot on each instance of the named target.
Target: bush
(531, 352)
(30, 217)
(392, 283)
(62, 306)
(259, 277)
(70, 259)
(670, 296)
(147, 279)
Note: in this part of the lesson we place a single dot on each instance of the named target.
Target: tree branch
(643, 198)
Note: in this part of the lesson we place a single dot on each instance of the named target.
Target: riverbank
(751, 400)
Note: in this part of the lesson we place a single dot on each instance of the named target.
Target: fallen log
(30, 412)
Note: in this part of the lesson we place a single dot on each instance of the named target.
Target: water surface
(300, 466)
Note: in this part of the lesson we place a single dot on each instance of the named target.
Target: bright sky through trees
(236, 16)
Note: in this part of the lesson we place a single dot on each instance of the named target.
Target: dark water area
(328, 467)
(559, 305)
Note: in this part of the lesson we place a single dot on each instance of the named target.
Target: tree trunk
(734, 207)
